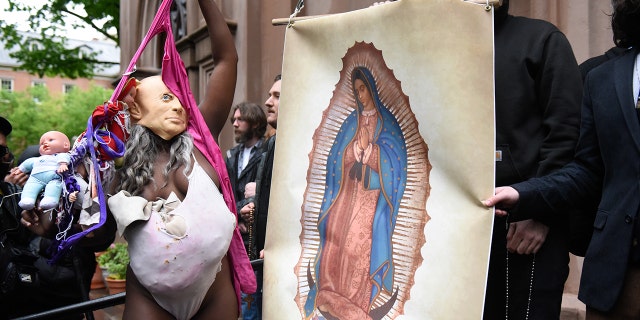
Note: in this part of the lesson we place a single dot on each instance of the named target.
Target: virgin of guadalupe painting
(364, 211)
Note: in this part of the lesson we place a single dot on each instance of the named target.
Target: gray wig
(141, 152)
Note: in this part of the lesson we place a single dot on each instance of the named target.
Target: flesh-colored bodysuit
(176, 255)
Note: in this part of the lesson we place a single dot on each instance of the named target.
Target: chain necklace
(533, 266)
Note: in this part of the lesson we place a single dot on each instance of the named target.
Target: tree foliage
(35, 112)
(45, 52)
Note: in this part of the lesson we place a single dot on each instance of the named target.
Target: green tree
(34, 112)
(46, 51)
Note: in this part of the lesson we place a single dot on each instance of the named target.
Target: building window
(38, 83)
(37, 97)
(7, 85)
(66, 88)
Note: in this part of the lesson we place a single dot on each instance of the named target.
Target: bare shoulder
(206, 166)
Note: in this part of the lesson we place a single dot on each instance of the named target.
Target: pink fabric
(175, 78)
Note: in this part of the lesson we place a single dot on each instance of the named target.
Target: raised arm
(222, 84)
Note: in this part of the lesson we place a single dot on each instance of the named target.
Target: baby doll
(46, 171)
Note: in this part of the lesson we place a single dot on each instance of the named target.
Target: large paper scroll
(385, 148)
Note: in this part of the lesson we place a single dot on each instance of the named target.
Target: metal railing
(82, 307)
(87, 307)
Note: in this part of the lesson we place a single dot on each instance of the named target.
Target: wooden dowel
(285, 21)
(491, 2)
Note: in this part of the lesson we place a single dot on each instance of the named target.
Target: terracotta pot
(97, 282)
(115, 285)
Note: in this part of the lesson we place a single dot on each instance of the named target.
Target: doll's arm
(26, 166)
(65, 158)
(62, 167)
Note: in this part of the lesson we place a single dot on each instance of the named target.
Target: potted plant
(115, 259)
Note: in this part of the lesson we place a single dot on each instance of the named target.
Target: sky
(21, 18)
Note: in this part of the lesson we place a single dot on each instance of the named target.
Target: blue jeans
(252, 303)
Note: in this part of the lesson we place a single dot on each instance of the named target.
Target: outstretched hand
(504, 199)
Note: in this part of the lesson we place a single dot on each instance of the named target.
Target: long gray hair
(142, 149)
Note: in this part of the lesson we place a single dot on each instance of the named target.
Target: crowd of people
(566, 137)
(250, 165)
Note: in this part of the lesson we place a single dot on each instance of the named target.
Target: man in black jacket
(263, 182)
(261, 189)
(593, 62)
(249, 124)
(538, 90)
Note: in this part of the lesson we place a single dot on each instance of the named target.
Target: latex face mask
(53, 142)
(158, 109)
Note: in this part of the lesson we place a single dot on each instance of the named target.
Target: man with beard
(249, 125)
(257, 208)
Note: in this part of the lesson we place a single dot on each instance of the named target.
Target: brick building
(17, 80)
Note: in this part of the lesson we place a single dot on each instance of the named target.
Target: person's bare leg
(220, 301)
(139, 304)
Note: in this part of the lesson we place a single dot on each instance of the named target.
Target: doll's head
(53, 142)
(158, 109)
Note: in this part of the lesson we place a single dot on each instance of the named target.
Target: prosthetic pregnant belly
(176, 255)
